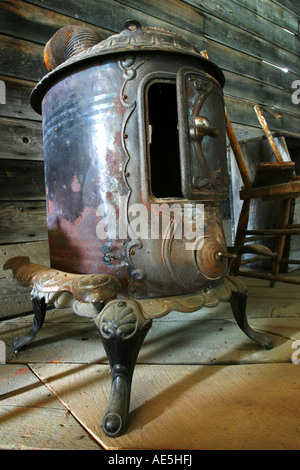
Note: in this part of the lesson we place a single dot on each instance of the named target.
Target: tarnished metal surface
(84, 169)
(44, 280)
(133, 39)
(98, 159)
(158, 307)
(201, 113)
(67, 42)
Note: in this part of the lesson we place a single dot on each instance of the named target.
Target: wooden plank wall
(252, 41)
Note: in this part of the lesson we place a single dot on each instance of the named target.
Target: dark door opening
(163, 141)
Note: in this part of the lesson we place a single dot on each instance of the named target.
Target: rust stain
(75, 185)
(118, 105)
(22, 371)
(50, 207)
(75, 247)
(117, 140)
(113, 162)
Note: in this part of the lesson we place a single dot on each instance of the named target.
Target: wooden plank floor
(199, 383)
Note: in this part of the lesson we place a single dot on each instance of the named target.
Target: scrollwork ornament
(118, 320)
(127, 66)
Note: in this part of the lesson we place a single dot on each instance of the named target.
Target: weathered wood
(23, 221)
(21, 59)
(276, 191)
(109, 14)
(273, 12)
(240, 86)
(206, 13)
(269, 277)
(188, 406)
(291, 5)
(174, 12)
(17, 100)
(237, 151)
(231, 13)
(280, 242)
(242, 112)
(15, 300)
(230, 34)
(33, 23)
(273, 173)
(241, 63)
(274, 232)
(240, 234)
(21, 139)
(33, 418)
(246, 132)
(254, 46)
(289, 261)
(161, 11)
(21, 180)
(24, 59)
(268, 133)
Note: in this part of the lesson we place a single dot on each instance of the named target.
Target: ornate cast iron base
(121, 322)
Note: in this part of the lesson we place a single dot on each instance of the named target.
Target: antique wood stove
(133, 125)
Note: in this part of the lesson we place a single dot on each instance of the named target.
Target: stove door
(202, 136)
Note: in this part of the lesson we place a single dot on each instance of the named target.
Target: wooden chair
(272, 181)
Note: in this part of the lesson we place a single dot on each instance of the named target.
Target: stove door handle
(201, 128)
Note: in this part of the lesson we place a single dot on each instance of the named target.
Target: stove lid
(133, 38)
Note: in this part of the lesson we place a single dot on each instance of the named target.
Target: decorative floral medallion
(120, 320)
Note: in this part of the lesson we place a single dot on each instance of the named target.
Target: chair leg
(280, 240)
(240, 235)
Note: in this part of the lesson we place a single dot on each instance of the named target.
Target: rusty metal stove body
(132, 127)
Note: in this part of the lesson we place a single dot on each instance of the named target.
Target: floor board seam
(86, 429)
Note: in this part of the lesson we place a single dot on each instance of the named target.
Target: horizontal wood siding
(17, 99)
(23, 221)
(272, 11)
(21, 180)
(248, 39)
(21, 139)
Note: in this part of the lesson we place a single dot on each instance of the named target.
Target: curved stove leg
(238, 303)
(122, 329)
(39, 309)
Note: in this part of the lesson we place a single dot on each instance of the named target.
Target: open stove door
(202, 137)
